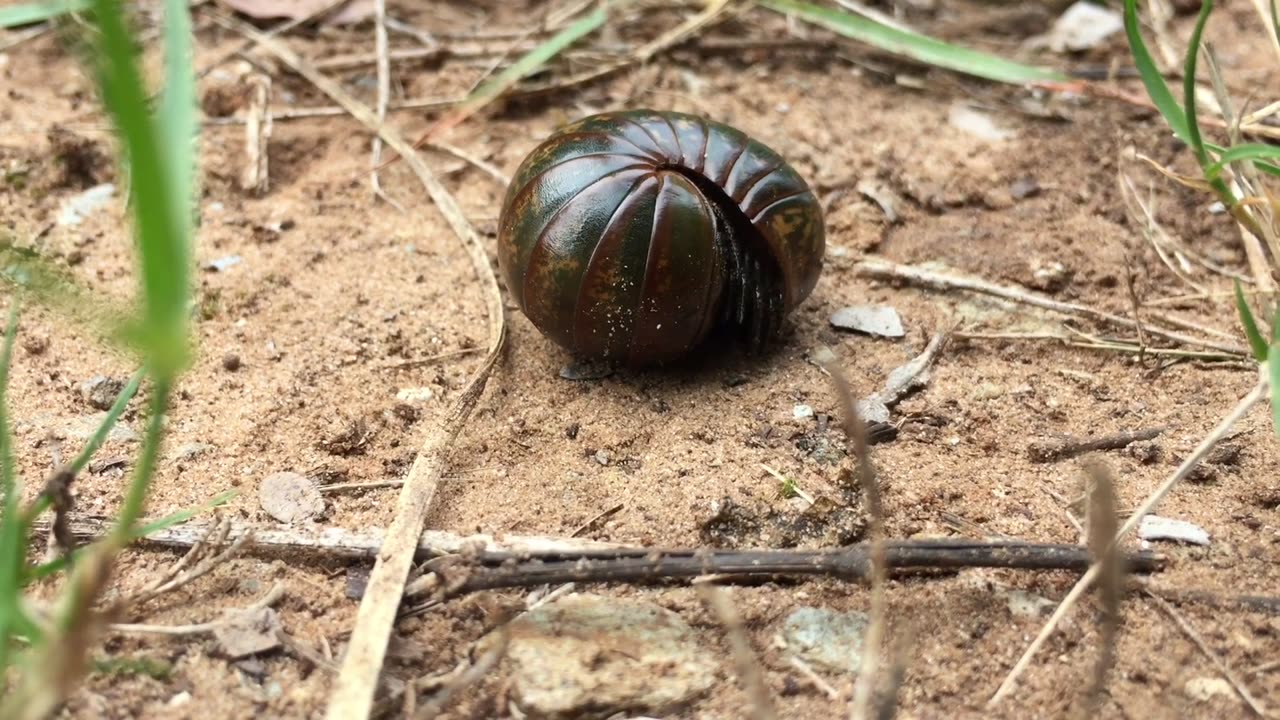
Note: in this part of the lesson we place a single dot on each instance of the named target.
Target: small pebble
(829, 639)
(602, 457)
(1024, 188)
(414, 396)
(101, 391)
(586, 370)
(223, 264)
(35, 344)
(880, 320)
(1154, 527)
(289, 497)
(802, 411)
(1205, 689)
(231, 362)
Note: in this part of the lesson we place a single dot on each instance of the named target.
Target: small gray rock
(83, 428)
(830, 639)
(880, 320)
(191, 450)
(81, 206)
(101, 391)
(586, 370)
(592, 656)
(1154, 527)
(1023, 188)
(248, 632)
(290, 497)
(223, 264)
(1205, 689)
(1023, 604)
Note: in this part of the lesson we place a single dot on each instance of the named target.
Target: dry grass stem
(354, 690)
(1219, 663)
(887, 706)
(1161, 241)
(256, 178)
(339, 542)
(273, 596)
(856, 432)
(466, 675)
(480, 163)
(1258, 393)
(881, 269)
(245, 46)
(384, 96)
(750, 673)
(1110, 563)
(809, 674)
(178, 575)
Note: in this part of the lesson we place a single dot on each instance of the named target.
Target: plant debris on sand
(1060, 260)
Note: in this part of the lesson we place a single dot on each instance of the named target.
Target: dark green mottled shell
(632, 235)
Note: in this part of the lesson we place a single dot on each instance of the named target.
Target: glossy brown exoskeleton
(631, 236)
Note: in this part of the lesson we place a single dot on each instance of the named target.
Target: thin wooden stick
(1110, 561)
(1218, 662)
(885, 270)
(856, 433)
(356, 685)
(453, 576)
(1246, 404)
(760, 703)
(336, 541)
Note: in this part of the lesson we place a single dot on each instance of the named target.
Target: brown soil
(335, 286)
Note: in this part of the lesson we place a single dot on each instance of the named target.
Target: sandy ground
(335, 287)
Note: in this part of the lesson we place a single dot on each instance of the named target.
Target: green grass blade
(13, 546)
(57, 565)
(1273, 369)
(43, 502)
(1252, 152)
(1189, 86)
(177, 112)
(1157, 88)
(182, 516)
(135, 498)
(1275, 20)
(538, 57)
(1251, 332)
(108, 422)
(160, 212)
(28, 13)
(915, 46)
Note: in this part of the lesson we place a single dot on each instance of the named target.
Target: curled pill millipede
(633, 236)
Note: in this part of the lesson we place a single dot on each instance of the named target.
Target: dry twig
(452, 576)
(256, 177)
(466, 674)
(1061, 448)
(272, 597)
(336, 541)
(1110, 562)
(354, 690)
(885, 270)
(1220, 431)
(760, 703)
(1254, 704)
(856, 434)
